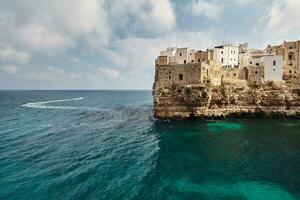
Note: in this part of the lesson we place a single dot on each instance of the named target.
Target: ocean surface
(107, 145)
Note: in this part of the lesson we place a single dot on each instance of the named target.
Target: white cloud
(47, 74)
(10, 55)
(208, 9)
(40, 38)
(149, 15)
(107, 73)
(87, 20)
(54, 25)
(244, 2)
(9, 69)
(282, 18)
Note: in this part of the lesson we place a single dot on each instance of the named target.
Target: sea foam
(44, 104)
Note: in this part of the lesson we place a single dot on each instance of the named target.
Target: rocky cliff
(209, 102)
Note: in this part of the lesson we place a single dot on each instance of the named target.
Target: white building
(273, 67)
(227, 55)
(171, 53)
(182, 55)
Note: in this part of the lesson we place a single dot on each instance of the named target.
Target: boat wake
(44, 104)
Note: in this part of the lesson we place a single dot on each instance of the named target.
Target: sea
(107, 145)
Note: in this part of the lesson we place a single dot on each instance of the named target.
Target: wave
(44, 104)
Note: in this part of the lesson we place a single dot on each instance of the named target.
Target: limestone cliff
(208, 102)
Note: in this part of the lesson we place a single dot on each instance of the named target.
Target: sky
(112, 44)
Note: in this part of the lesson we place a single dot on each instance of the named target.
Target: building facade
(227, 55)
(291, 57)
(273, 68)
(225, 64)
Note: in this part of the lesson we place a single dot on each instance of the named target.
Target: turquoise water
(107, 145)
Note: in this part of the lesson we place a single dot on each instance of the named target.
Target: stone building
(182, 55)
(178, 74)
(170, 53)
(184, 66)
(264, 67)
(291, 57)
(201, 56)
(243, 55)
(211, 73)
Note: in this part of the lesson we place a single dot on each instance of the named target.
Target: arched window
(291, 56)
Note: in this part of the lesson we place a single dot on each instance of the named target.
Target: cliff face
(208, 102)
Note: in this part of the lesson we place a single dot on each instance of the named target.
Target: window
(291, 56)
(180, 77)
(250, 62)
(273, 70)
(222, 60)
(234, 74)
(180, 54)
(184, 61)
(274, 62)
(291, 48)
(190, 54)
(199, 60)
(192, 61)
(256, 72)
(170, 77)
(221, 52)
(290, 71)
(257, 64)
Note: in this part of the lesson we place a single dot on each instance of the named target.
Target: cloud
(244, 2)
(39, 38)
(10, 55)
(54, 25)
(107, 73)
(149, 15)
(101, 43)
(208, 9)
(282, 18)
(9, 69)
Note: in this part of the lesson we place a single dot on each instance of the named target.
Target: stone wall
(201, 56)
(185, 74)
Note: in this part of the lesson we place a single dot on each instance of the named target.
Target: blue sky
(112, 44)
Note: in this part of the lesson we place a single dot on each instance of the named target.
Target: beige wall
(255, 75)
(162, 60)
(201, 56)
(291, 65)
(211, 73)
(166, 75)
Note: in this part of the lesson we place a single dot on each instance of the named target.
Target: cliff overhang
(270, 100)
